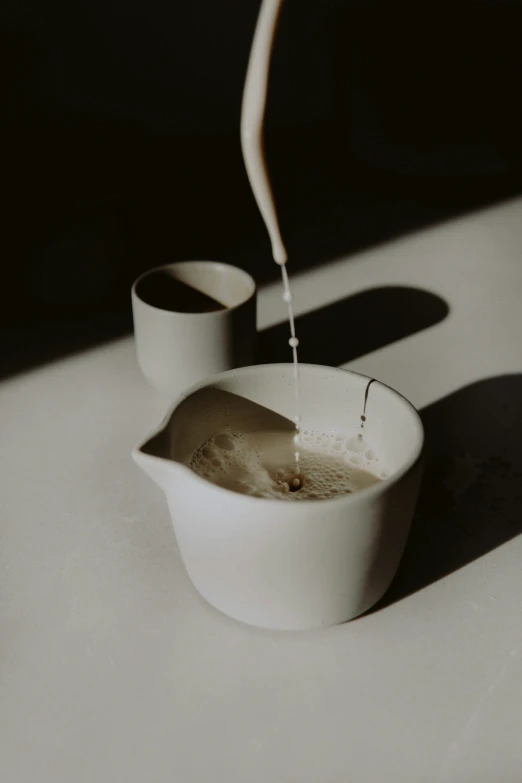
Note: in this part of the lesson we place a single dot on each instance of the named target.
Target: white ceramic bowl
(275, 563)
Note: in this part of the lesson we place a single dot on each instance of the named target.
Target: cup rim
(361, 495)
(201, 263)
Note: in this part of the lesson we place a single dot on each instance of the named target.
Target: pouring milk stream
(252, 114)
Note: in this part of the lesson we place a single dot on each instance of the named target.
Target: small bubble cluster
(330, 465)
(226, 459)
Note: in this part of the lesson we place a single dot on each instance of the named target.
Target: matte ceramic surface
(176, 349)
(114, 669)
(280, 564)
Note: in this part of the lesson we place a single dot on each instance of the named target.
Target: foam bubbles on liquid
(262, 464)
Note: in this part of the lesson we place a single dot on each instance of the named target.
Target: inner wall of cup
(226, 285)
(262, 398)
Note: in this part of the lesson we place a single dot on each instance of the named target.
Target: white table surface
(113, 669)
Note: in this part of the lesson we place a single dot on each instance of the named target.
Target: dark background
(121, 147)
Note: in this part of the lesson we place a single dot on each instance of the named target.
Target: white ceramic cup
(192, 319)
(287, 564)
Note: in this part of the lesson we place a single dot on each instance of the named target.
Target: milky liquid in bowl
(260, 464)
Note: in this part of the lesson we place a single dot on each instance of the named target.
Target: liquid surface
(260, 464)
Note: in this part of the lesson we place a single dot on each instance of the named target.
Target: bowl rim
(230, 269)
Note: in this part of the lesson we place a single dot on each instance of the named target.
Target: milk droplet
(293, 342)
(287, 296)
